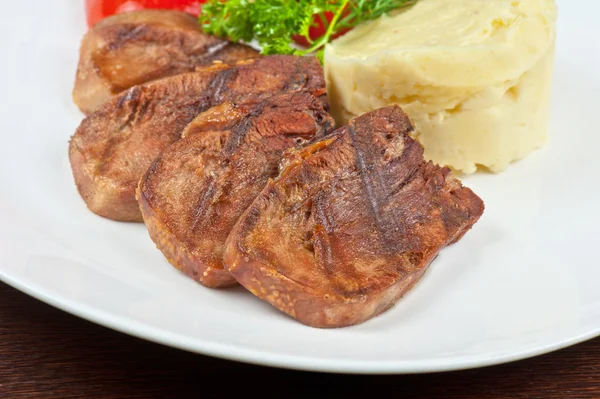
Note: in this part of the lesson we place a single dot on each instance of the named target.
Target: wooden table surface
(46, 353)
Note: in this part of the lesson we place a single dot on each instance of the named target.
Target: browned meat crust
(194, 192)
(350, 225)
(136, 47)
(114, 146)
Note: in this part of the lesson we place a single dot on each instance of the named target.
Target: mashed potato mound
(473, 75)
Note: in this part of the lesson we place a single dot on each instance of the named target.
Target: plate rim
(264, 358)
(95, 313)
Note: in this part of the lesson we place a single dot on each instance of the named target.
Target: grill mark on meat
(238, 135)
(219, 85)
(142, 109)
(125, 33)
(300, 82)
(325, 242)
(321, 235)
(408, 174)
(131, 95)
(203, 208)
(322, 249)
(376, 192)
(130, 105)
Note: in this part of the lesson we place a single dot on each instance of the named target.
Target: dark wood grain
(46, 353)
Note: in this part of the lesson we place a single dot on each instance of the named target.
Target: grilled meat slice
(194, 192)
(136, 47)
(114, 146)
(350, 225)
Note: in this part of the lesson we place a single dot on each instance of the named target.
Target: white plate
(523, 282)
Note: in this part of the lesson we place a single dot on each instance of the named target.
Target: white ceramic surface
(524, 281)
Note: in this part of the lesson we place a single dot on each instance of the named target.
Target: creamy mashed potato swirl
(473, 75)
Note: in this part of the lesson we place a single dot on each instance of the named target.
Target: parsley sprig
(273, 23)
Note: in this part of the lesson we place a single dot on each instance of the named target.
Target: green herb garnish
(274, 23)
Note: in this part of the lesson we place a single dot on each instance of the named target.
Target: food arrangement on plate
(325, 192)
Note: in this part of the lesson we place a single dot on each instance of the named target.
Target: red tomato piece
(99, 9)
